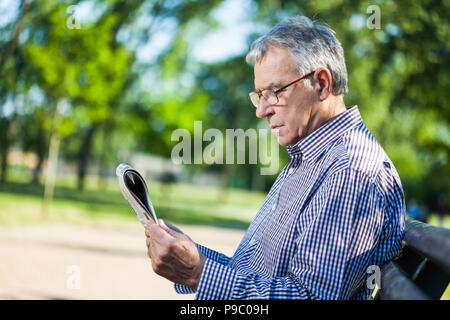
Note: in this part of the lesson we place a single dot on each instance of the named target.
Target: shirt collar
(314, 144)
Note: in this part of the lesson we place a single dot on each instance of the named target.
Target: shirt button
(291, 170)
(274, 207)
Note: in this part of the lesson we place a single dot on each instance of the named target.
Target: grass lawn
(20, 203)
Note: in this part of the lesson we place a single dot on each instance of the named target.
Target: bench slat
(396, 286)
(430, 241)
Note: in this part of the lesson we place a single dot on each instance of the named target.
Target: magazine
(135, 191)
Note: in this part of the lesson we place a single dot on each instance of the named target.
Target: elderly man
(336, 209)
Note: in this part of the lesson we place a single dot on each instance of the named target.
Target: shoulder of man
(362, 152)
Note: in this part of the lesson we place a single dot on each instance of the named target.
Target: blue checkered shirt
(335, 209)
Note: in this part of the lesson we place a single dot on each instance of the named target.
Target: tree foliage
(398, 76)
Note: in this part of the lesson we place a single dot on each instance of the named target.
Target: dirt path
(46, 262)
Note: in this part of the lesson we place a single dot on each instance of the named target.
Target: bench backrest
(422, 269)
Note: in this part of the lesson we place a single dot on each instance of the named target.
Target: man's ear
(325, 82)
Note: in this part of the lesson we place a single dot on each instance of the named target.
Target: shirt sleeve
(331, 251)
(210, 255)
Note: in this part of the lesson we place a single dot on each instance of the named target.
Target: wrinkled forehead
(274, 69)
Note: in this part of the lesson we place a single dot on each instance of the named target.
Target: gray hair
(312, 44)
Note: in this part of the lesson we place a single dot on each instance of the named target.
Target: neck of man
(323, 112)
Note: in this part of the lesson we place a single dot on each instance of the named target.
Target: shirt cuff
(182, 289)
(217, 282)
(209, 254)
(213, 255)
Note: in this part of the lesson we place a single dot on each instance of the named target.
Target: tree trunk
(6, 137)
(108, 128)
(4, 164)
(40, 152)
(36, 171)
(4, 147)
(84, 155)
(52, 162)
(11, 46)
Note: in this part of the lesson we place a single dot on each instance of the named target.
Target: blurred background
(85, 85)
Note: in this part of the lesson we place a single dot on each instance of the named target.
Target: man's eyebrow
(270, 86)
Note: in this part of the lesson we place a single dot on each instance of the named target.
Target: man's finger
(158, 235)
(149, 223)
(149, 251)
(169, 228)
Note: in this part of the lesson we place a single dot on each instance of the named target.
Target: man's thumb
(166, 228)
(171, 229)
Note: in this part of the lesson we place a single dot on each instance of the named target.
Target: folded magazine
(133, 187)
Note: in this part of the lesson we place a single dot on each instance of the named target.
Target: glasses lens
(270, 97)
(254, 98)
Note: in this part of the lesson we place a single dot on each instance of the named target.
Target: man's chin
(286, 142)
(282, 141)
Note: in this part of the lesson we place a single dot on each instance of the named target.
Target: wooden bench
(422, 269)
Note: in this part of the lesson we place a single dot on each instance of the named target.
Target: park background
(85, 85)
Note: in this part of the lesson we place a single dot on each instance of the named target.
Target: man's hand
(174, 255)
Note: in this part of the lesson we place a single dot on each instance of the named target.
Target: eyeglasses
(270, 95)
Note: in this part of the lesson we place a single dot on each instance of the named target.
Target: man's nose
(263, 109)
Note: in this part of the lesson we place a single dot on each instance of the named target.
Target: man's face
(289, 118)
